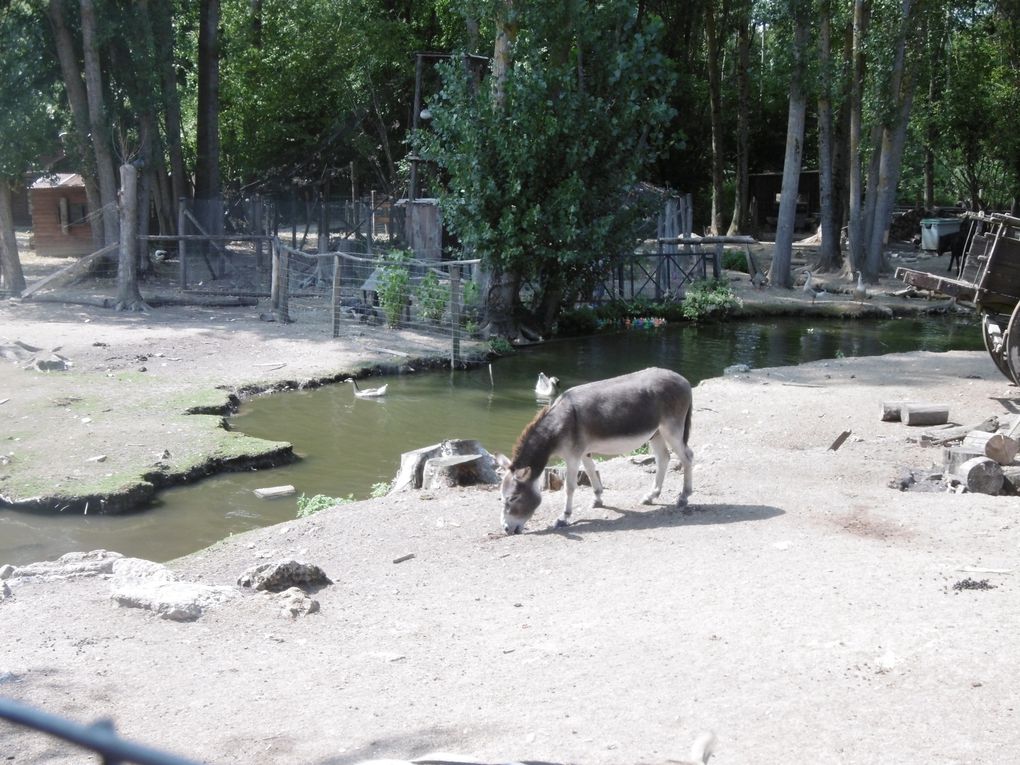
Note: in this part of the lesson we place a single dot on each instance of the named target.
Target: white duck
(808, 289)
(546, 386)
(860, 291)
(367, 392)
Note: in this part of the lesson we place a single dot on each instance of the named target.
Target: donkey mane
(522, 439)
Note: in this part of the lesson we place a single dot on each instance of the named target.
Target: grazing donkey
(611, 416)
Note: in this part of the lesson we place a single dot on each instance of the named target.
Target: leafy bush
(582, 320)
(500, 346)
(310, 505)
(394, 286)
(431, 297)
(709, 298)
(380, 489)
(734, 260)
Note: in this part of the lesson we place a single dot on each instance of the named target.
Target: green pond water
(346, 444)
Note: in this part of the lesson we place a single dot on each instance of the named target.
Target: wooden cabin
(59, 208)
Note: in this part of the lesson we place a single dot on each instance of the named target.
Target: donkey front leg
(593, 477)
(569, 484)
(658, 446)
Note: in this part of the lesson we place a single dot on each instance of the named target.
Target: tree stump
(455, 470)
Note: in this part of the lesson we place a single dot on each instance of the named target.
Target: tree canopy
(533, 148)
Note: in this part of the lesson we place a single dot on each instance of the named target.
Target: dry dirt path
(804, 611)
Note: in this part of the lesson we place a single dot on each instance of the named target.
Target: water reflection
(348, 444)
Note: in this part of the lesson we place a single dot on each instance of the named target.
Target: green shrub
(380, 489)
(734, 260)
(431, 297)
(394, 286)
(710, 298)
(500, 346)
(310, 505)
(582, 320)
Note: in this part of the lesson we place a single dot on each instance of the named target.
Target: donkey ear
(502, 461)
(523, 474)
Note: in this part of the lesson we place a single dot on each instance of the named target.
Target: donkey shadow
(662, 516)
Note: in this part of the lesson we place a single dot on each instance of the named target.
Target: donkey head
(519, 495)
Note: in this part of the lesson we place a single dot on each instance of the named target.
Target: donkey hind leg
(569, 484)
(658, 446)
(676, 437)
(593, 476)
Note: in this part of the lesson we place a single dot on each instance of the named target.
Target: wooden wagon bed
(990, 279)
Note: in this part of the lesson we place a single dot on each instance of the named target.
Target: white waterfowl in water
(367, 392)
(546, 386)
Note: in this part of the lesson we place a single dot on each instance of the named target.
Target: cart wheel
(1011, 345)
(995, 342)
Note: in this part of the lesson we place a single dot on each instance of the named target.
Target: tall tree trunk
(101, 144)
(10, 262)
(128, 296)
(829, 255)
(501, 302)
(780, 275)
(901, 94)
(78, 103)
(208, 194)
(855, 226)
(171, 101)
(740, 222)
(715, 110)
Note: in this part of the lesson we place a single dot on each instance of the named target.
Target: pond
(348, 445)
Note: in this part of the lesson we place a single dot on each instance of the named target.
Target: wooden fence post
(337, 294)
(454, 315)
(182, 246)
(283, 286)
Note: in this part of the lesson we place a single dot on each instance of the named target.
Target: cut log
(555, 477)
(274, 491)
(995, 446)
(924, 414)
(954, 456)
(981, 476)
(952, 433)
(839, 440)
(891, 410)
(1011, 473)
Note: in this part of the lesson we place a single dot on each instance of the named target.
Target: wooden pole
(182, 247)
(336, 295)
(283, 309)
(454, 315)
(274, 278)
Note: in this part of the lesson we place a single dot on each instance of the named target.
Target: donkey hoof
(649, 499)
(562, 523)
(597, 502)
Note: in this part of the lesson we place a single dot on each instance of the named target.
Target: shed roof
(54, 180)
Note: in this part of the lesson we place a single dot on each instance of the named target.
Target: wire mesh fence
(427, 301)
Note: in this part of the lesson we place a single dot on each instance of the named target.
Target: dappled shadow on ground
(663, 516)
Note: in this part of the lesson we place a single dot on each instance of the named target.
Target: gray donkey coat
(610, 417)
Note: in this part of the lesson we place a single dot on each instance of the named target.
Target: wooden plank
(927, 281)
(274, 491)
(957, 432)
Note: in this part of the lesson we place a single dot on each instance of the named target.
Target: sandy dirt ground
(804, 610)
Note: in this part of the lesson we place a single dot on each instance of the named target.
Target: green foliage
(310, 505)
(380, 489)
(734, 260)
(394, 286)
(709, 299)
(431, 297)
(28, 90)
(537, 178)
(472, 293)
(582, 320)
(500, 346)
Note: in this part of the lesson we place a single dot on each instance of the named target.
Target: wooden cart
(990, 279)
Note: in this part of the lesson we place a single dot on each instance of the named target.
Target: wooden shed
(60, 216)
